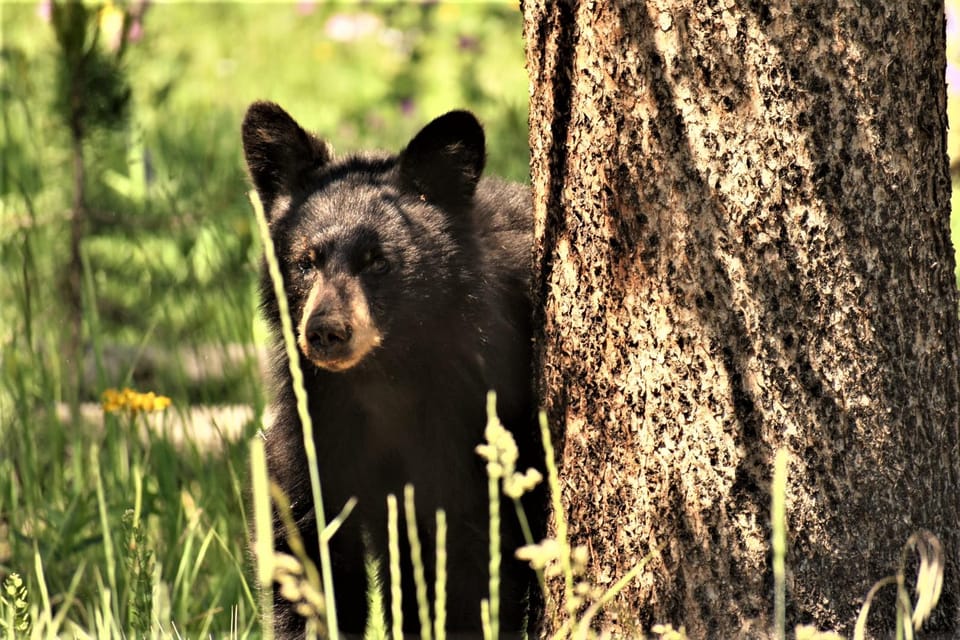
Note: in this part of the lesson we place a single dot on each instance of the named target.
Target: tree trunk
(743, 245)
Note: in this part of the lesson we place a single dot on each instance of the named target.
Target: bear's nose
(324, 334)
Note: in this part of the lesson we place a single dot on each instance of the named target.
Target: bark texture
(743, 245)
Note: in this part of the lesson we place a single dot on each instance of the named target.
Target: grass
(104, 519)
(112, 527)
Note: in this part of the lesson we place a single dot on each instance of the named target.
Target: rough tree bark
(743, 245)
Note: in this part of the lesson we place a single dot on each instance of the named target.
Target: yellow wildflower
(113, 401)
(111, 19)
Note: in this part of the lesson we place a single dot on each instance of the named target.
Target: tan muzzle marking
(352, 302)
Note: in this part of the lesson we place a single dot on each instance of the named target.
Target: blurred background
(129, 258)
(149, 98)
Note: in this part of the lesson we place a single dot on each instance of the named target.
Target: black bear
(407, 277)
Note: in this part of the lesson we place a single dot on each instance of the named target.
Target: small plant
(667, 632)
(292, 578)
(139, 561)
(909, 617)
(14, 608)
(296, 575)
(501, 453)
(928, 586)
(554, 557)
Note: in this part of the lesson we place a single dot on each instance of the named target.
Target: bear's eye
(310, 261)
(374, 262)
(307, 263)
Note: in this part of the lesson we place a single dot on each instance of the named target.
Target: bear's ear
(444, 161)
(279, 153)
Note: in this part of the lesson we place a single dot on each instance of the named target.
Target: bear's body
(407, 278)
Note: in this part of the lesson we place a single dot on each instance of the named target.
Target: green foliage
(169, 241)
(115, 526)
(92, 89)
(139, 564)
(111, 509)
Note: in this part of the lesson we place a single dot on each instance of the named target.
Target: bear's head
(376, 250)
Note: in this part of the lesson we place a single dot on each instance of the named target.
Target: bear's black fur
(407, 277)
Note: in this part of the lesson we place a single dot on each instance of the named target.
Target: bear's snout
(325, 334)
(336, 331)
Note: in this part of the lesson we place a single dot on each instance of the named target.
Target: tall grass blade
(440, 579)
(485, 620)
(393, 550)
(334, 525)
(68, 600)
(42, 583)
(296, 374)
(416, 558)
(263, 532)
(559, 519)
(493, 495)
(860, 628)
(108, 548)
(583, 627)
(778, 525)
(201, 555)
(181, 592)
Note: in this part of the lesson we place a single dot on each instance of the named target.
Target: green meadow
(134, 522)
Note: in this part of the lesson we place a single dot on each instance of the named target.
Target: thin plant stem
(263, 523)
(416, 558)
(561, 521)
(303, 411)
(778, 517)
(393, 550)
(440, 585)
